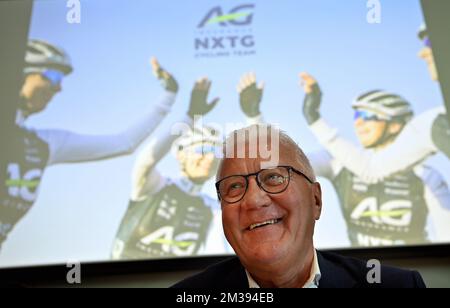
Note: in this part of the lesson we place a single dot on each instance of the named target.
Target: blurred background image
(104, 158)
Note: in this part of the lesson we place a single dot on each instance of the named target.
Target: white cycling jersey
(68, 147)
(413, 145)
(33, 150)
(416, 187)
(168, 217)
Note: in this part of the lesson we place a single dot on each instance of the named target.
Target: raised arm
(322, 164)
(68, 147)
(146, 179)
(250, 97)
(412, 146)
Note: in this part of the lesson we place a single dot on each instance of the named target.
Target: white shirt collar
(311, 283)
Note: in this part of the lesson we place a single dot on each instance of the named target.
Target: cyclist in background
(425, 135)
(389, 212)
(30, 151)
(170, 216)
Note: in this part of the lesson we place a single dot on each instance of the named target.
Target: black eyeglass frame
(256, 174)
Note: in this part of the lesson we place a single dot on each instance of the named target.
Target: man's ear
(317, 191)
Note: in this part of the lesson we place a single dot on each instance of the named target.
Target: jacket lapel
(334, 276)
(236, 277)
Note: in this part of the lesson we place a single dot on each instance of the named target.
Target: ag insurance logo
(223, 32)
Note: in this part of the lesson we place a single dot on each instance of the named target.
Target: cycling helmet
(388, 106)
(41, 56)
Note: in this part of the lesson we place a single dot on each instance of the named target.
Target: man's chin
(266, 253)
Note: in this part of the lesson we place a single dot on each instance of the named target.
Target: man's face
(38, 92)
(426, 53)
(199, 162)
(296, 209)
(369, 132)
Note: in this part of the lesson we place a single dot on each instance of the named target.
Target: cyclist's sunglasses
(367, 116)
(55, 77)
(204, 149)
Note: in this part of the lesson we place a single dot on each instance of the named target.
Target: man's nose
(255, 197)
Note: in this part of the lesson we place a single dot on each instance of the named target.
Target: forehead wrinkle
(289, 151)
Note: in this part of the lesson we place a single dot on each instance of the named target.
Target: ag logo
(239, 16)
(183, 244)
(394, 213)
(23, 184)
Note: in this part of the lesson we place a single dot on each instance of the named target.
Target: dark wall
(14, 21)
(438, 24)
(434, 270)
(433, 262)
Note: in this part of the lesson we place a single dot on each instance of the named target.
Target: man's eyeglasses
(53, 76)
(276, 180)
(367, 116)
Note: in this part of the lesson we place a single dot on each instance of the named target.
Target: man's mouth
(263, 224)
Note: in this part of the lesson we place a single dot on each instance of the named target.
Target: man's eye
(274, 179)
(235, 189)
(235, 186)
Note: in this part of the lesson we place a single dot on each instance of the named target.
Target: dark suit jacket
(337, 272)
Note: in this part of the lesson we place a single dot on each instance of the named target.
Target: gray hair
(284, 141)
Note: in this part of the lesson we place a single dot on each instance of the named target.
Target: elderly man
(269, 210)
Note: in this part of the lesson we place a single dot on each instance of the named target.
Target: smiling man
(269, 215)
